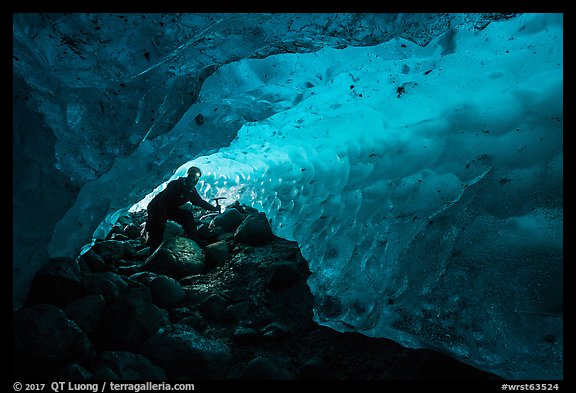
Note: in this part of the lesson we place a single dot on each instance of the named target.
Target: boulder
(113, 250)
(57, 283)
(93, 261)
(87, 312)
(229, 220)
(177, 257)
(217, 254)
(275, 330)
(107, 284)
(129, 366)
(132, 231)
(144, 278)
(255, 230)
(44, 340)
(172, 230)
(214, 307)
(236, 311)
(166, 292)
(183, 353)
(129, 321)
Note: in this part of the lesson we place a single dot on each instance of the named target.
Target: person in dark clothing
(167, 206)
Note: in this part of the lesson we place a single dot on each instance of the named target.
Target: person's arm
(197, 200)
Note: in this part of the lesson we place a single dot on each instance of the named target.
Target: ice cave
(417, 159)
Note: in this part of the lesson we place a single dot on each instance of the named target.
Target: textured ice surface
(432, 214)
(423, 183)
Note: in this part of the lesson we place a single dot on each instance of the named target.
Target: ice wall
(97, 98)
(422, 179)
(424, 186)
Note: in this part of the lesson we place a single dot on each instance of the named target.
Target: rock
(283, 275)
(113, 250)
(94, 261)
(245, 335)
(172, 230)
(179, 313)
(119, 237)
(87, 312)
(275, 330)
(44, 340)
(57, 283)
(129, 366)
(116, 229)
(177, 257)
(217, 254)
(128, 270)
(144, 278)
(166, 292)
(142, 254)
(214, 306)
(183, 353)
(236, 311)
(132, 231)
(130, 320)
(107, 284)
(261, 368)
(229, 220)
(255, 230)
(196, 293)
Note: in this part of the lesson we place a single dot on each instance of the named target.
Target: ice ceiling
(416, 158)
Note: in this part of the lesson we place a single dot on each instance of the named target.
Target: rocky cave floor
(237, 309)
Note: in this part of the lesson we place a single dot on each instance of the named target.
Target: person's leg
(185, 218)
(155, 229)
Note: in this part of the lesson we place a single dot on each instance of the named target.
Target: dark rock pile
(237, 307)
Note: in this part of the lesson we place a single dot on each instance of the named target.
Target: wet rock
(57, 283)
(113, 250)
(236, 311)
(172, 230)
(93, 261)
(87, 312)
(107, 284)
(182, 352)
(144, 277)
(282, 275)
(275, 330)
(166, 292)
(129, 366)
(177, 257)
(217, 254)
(196, 294)
(44, 340)
(229, 220)
(214, 306)
(119, 237)
(255, 230)
(131, 320)
(132, 231)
